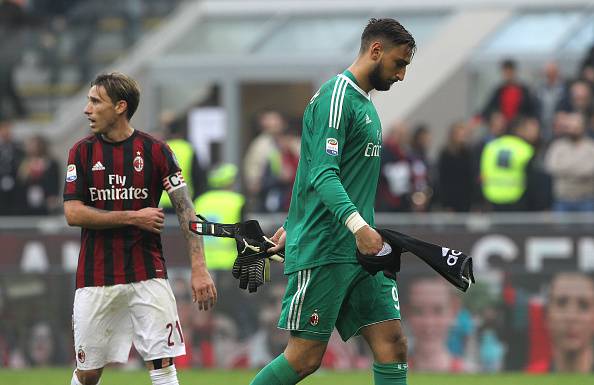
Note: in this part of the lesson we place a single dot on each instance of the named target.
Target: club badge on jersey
(138, 162)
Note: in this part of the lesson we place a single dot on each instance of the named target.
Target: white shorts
(106, 321)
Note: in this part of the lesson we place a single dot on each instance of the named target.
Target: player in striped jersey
(331, 214)
(114, 181)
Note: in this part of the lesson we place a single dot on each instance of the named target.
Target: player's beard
(375, 78)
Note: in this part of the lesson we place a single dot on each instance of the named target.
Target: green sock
(278, 372)
(390, 374)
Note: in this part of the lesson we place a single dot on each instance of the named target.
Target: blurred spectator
(496, 126)
(223, 205)
(430, 317)
(455, 169)
(262, 153)
(587, 68)
(549, 94)
(228, 352)
(570, 319)
(395, 181)
(490, 352)
(41, 345)
(421, 169)
(512, 98)
(579, 99)
(570, 160)
(279, 175)
(11, 156)
(13, 21)
(39, 177)
(186, 157)
(460, 334)
(540, 194)
(509, 176)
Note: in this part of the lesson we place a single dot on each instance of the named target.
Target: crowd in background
(58, 41)
(535, 140)
(550, 123)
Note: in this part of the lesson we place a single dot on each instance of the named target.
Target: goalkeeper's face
(390, 67)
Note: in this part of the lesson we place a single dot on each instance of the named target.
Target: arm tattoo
(184, 209)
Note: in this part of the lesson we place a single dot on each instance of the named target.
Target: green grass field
(198, 377)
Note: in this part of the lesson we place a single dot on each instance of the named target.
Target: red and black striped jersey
(127, 175)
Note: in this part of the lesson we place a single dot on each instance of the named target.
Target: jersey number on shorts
(395, 297)
(179, 332)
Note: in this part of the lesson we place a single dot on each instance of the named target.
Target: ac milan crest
(314, 318)
(81, 355)
(138, 162)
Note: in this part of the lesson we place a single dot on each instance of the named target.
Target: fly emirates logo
(117, 191)
(372, 149)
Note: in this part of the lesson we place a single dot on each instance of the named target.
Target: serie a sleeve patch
(173, 182)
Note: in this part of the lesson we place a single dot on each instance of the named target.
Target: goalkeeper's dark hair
(388, 30)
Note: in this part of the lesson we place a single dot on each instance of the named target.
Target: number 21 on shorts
(179, 332)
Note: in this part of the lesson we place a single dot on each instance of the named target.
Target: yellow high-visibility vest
(503, 169)
(220, 206)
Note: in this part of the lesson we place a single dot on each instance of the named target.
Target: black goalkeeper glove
(252, 266)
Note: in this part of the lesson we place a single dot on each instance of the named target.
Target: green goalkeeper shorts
(342, 295)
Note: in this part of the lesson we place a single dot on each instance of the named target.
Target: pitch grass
(61, 376)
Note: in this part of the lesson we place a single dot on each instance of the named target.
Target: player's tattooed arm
(203, 288)
(180, 199)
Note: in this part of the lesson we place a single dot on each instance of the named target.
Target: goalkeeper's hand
(278, 241)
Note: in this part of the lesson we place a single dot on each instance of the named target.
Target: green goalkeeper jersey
(337, 175)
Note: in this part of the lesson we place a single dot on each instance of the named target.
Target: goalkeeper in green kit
(331, 215)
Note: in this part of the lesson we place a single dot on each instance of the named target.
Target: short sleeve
(75, 185)
(171, 174)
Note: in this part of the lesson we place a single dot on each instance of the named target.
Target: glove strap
(213, 229)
